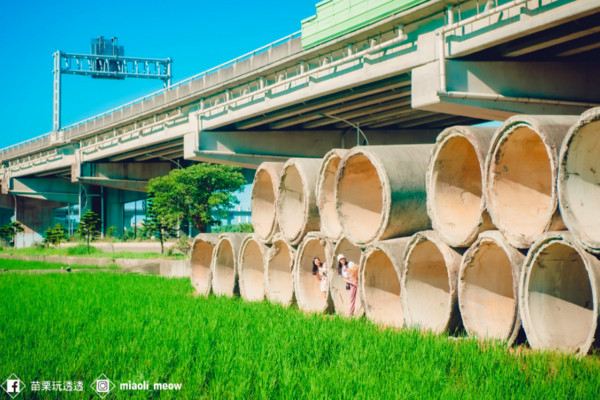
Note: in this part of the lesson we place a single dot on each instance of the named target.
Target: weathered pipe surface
(251, 269)
(224, 264)
(279, 273)
(380, 276)
(330, 224)
(297, 211)
(455, 197)
(264, 195)
(559, 295)
(306, 285)
(337, 286)
(521, 175)
(380, 192)
(579, 180)
(201, 260)
(488, 288)
(429, 284)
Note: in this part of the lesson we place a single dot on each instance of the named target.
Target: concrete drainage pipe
(224, 264)
(297, 211)
(251, 269)
(380, 275)
(488, 288)
(330, 224)
(579, 180)
(264, 194)
(337, 286)
(429, 284)
(201, 259)
(306, 285)
(559, 295)
(455, 200)
(279, 278)
(522, 169)
(380, 192)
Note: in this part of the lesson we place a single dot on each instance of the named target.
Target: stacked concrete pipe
(559, 295)
(521, 176)
(337, 286)
(297, 211)
(579, 180)
(264, 194)
(488, 288)
(225, 264)
(306, 285)
(279, 272)
(380, 276)
(330, 224)
(455, 196)
(251, 269)
(201, 260)
(380, 192)
(429, 284)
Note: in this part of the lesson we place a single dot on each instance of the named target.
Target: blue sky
(197, 35)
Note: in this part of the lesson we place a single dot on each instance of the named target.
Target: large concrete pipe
(201, 259)
(521, 175)
(297, 211)
(488, 288)
(380, 192)
(264, 194)
(224, 264)
(330, 224)
(338, 291)
(306, 285)
(455, 199)
(279, 272)
(579, 180)
(379, 282)
(251, 269)
(559, 295)
(429, 284)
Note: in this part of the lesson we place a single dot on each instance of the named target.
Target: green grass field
(146, 328)
(6, 263)
(81, 251)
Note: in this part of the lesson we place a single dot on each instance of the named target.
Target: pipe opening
(252, 274)
(263, 203)
(330, 223)
(201, 259)
(457, 188)
(280, 281)
(360, 198)
(522, 183)
(308, 291)
(224, 269)
(339, 294)
(581, 190)
(427, 290)
(381, 289)
(293, 207)
(559, 298)
(487, 299)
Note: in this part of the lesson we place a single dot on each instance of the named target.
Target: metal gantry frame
(107, 67)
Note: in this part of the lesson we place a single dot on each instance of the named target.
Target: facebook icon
(13, 386)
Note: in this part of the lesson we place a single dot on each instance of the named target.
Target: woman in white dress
(320, 270)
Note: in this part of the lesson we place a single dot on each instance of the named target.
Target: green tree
(9, 232)
(196, 193)
(54, 236)
(159, 225)
(89, 227)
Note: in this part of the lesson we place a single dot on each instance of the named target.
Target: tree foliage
(197, 193)
(54, 236)
(89, 227)
(159, 225)
(9, 232)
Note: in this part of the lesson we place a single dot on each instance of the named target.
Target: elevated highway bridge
(402, 75)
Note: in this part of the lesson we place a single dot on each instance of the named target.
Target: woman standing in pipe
(349, 272)
(320, 271)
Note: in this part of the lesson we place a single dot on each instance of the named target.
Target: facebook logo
(13, 385)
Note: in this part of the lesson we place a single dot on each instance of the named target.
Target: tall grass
(75, 327)
(6, 263)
